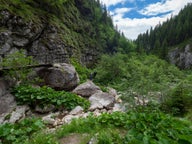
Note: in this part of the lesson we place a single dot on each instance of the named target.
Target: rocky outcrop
(3, 87)
(86, 89)
(18, 113)
(41, 39)
(181, 57)
(101, 100)
(60, 77)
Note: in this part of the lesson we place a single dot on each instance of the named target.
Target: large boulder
(86, 89)
(3, 87)
(7, 105)
(101, 100)
(61, 76)
(18, 113)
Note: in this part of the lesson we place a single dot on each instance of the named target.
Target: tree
(16, 66)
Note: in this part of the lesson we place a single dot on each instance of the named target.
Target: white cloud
(114, 2)
(163, 7)
(122, 10)
(133, 27)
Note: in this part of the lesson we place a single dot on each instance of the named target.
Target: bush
(82, 71)
(179, 99)
(16, 65)
(43, 96)
(141, 73)
(17, 133)
(110, 69)
(143, 125)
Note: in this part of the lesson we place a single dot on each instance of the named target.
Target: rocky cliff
(181, 56)
(52, 31)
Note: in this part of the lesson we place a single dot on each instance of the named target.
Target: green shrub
(16, 65)
(82, 71)
(110, 69)
(141, 73)
(179, 99)
(19, 132)
(143, 125)
(152, 126)
(43, 96)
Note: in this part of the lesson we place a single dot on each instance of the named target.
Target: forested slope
(55, 31)
(176, 31)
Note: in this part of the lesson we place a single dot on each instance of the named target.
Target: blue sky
(136, 16)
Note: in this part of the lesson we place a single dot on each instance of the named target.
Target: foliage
(84, 26)
(143, 125)
(174, 31)
(41, 138)
(44, 96)
(15, 65)
(82, 71)
(17, 133)
(141, 73)
(152, 126)
(111, 68)
(178, 100)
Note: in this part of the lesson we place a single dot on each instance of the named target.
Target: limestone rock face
(18, 113)
(60, 77)
(86, 89)
(76, 110)
(41, 39)
(101, 100)
(45, 109)
(3, 87)
(181, 57)
(7, 103)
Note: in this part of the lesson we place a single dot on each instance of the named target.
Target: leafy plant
(15, 65)
(43, 96)
(179, 99)
(82, 71)
(17, 133)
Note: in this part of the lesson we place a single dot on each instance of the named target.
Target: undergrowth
(140, 126)
(44, 96)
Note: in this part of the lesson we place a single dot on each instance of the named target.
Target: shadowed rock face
(60, 77)
(181, 57)
(40, 39)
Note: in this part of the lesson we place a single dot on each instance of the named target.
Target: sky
(136, 16)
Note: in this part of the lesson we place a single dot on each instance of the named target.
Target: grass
(145, 125)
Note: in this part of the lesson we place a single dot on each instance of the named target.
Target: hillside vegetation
(156, 96)
(163, 37)
(84, 26)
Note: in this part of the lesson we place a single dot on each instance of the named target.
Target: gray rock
(21, 42)
(86, 89)
(60, 77)
(7, 103)
(76, 110)
(112, 92)
(69, 118)
(45, 109)
(3, 87)
(101, 100)
(49, 119)
(181, 57)
(18, 113)
(42, 40)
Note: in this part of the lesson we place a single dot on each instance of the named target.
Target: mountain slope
(168, 36)
(55, 31)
